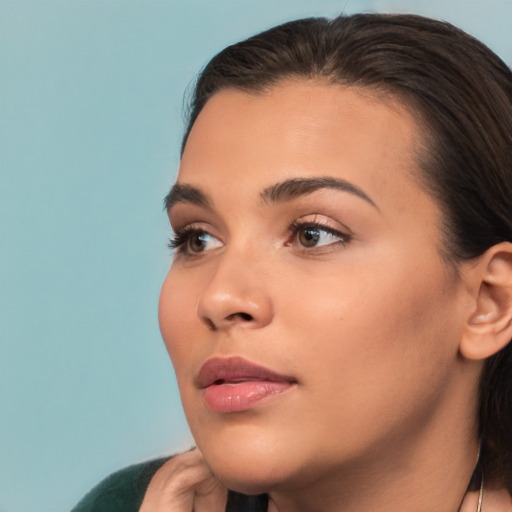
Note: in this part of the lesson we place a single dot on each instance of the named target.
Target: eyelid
(184, 214)
(322, 224)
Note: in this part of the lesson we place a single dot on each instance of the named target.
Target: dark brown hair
(461, 93)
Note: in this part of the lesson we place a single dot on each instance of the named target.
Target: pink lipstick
(234, 384)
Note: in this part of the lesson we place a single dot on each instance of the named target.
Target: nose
(236, 296)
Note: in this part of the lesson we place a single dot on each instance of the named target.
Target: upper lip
(235, 369)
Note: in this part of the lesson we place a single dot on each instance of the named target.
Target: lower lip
(241, 396)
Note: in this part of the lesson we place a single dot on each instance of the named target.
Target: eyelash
(182, 236)
(178, 242)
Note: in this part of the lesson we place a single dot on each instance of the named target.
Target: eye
(193, 241)
(311, 234)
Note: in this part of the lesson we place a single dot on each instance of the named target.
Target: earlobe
(489, 326)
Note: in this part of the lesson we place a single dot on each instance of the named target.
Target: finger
(182, 481)
(210, 496)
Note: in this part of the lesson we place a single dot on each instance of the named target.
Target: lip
(235, 384)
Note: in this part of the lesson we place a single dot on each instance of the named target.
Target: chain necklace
(480, 494)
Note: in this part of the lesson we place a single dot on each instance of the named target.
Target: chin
(246, 461)
(248, 477)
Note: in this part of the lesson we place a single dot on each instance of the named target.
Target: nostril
(246, 317)
(210, 324)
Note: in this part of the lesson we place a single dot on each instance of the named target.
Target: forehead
(303, 129)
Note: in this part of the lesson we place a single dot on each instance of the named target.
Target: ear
(489, 326)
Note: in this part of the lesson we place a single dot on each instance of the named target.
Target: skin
(185, 483)
(369, 322)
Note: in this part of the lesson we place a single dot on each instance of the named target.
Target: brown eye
(197, 242)
(309, 236)
(192, 241)
(201, 241)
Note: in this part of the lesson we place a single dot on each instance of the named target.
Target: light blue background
(90, 124)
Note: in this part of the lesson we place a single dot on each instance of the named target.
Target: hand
(185, 484)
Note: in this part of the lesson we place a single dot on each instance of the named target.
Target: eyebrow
(296, 187)
(280, 192)
(185, 194)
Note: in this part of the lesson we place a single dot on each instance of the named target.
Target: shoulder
(122, 491)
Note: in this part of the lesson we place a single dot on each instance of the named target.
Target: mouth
(235, 385)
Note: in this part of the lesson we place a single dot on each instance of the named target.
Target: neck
(413, 484)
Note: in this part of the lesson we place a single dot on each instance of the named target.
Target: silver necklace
(480, 495)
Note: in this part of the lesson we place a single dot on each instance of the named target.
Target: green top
(124, 491)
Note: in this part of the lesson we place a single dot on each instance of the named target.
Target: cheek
(372, 328)
(177, 318)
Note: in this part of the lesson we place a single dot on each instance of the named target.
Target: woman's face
(308, 313)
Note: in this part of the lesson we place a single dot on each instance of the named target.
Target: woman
(339, 307)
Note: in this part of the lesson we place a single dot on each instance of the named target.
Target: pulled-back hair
(461, 94)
